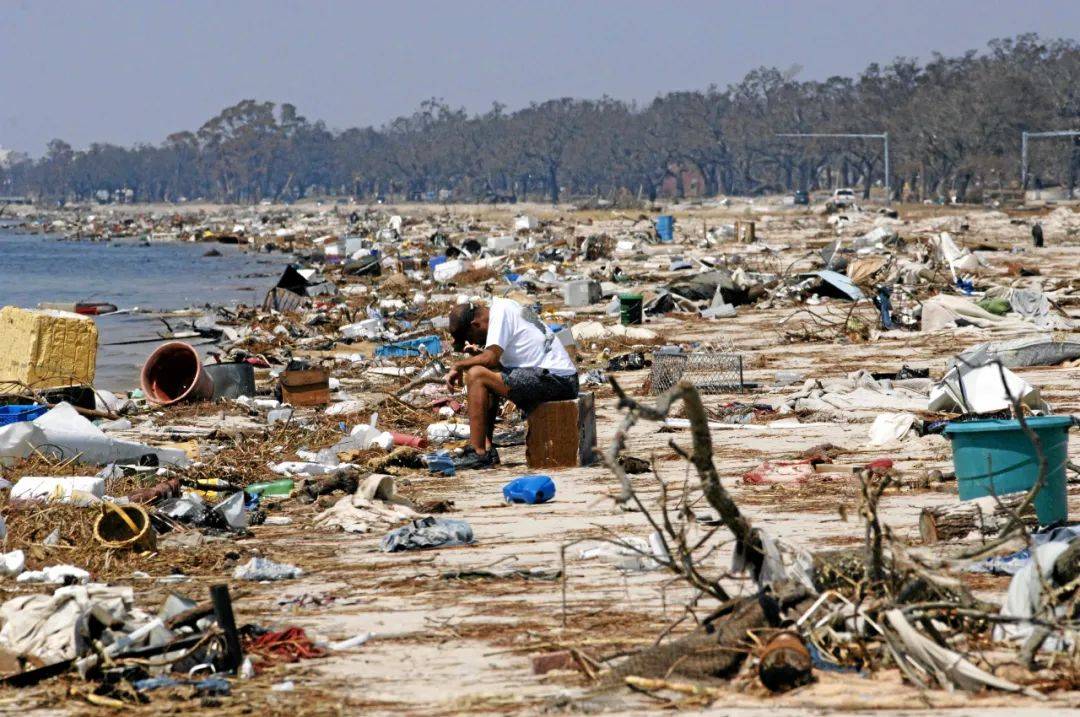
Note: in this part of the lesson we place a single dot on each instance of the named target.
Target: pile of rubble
(320, 420)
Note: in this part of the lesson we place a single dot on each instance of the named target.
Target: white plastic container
(581, 292)
(76, 490)
(442, 432)
(502, 243)
(449, 269)
(367, 329)
(367, 436)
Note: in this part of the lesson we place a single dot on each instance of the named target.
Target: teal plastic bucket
(997, 458)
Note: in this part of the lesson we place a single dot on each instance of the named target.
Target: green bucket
(630, 309)
(996, 458)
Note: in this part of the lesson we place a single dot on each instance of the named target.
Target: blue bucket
(996, 458)
(17, 414)
(665, 227)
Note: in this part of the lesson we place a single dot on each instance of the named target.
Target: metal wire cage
(709, 371)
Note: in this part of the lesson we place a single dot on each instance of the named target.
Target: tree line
(954, 126)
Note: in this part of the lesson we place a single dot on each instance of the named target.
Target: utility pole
(1024, 136)
(841, 135)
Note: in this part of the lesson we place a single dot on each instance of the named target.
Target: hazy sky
(128, 72)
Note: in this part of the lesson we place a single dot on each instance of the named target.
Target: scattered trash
(259, 569)
(429, 532)
(327, 396)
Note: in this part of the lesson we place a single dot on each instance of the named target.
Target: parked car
(801, 197)
(843, 197)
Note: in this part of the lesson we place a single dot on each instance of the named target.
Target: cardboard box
(46, 349)
(562, 434)
(310, 387)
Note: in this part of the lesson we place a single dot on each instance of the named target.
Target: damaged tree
(862, 607)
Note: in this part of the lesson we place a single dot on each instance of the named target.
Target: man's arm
(488, 358)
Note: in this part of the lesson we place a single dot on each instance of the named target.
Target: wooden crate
(309, 387)
(562, 434)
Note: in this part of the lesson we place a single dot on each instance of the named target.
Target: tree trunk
(553, 182)
(1074, 158)
(962, 189)
(712, 179)
(987, 516)
(717, 650)
(650, 187)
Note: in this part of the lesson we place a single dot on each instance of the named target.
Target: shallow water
(158, 277)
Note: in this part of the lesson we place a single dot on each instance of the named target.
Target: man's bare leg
(481, 383)
(492, 416)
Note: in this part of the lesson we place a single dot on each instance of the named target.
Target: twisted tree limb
(700, 456)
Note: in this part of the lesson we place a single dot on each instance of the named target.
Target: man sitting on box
(515, 356)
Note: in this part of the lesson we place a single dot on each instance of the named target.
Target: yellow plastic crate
(46, 349)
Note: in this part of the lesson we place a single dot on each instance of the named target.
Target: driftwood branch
(700, 457)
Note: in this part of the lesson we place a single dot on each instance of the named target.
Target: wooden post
(223, 613)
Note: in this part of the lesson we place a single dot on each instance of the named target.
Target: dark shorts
(529, 387)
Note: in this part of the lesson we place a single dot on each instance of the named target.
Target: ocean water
(156, 278)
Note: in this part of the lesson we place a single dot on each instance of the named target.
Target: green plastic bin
(996, 458)
(630, 309)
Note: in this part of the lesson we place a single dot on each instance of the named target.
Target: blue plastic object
(665, 227)
(430, 345)
(435, 261)
(884, 295)
(996, 457)
(529, 489)
(17, 414)
(440, 462)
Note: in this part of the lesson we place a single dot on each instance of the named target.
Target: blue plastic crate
(16, 414)
(431, 345)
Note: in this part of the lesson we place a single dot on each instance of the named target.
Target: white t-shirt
(525, 340)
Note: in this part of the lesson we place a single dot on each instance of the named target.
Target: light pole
(843, 135)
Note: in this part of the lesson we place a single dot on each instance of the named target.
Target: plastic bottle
(529, 489)
(277, 487)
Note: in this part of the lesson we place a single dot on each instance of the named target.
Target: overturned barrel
(785, 663)
(174, 373)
